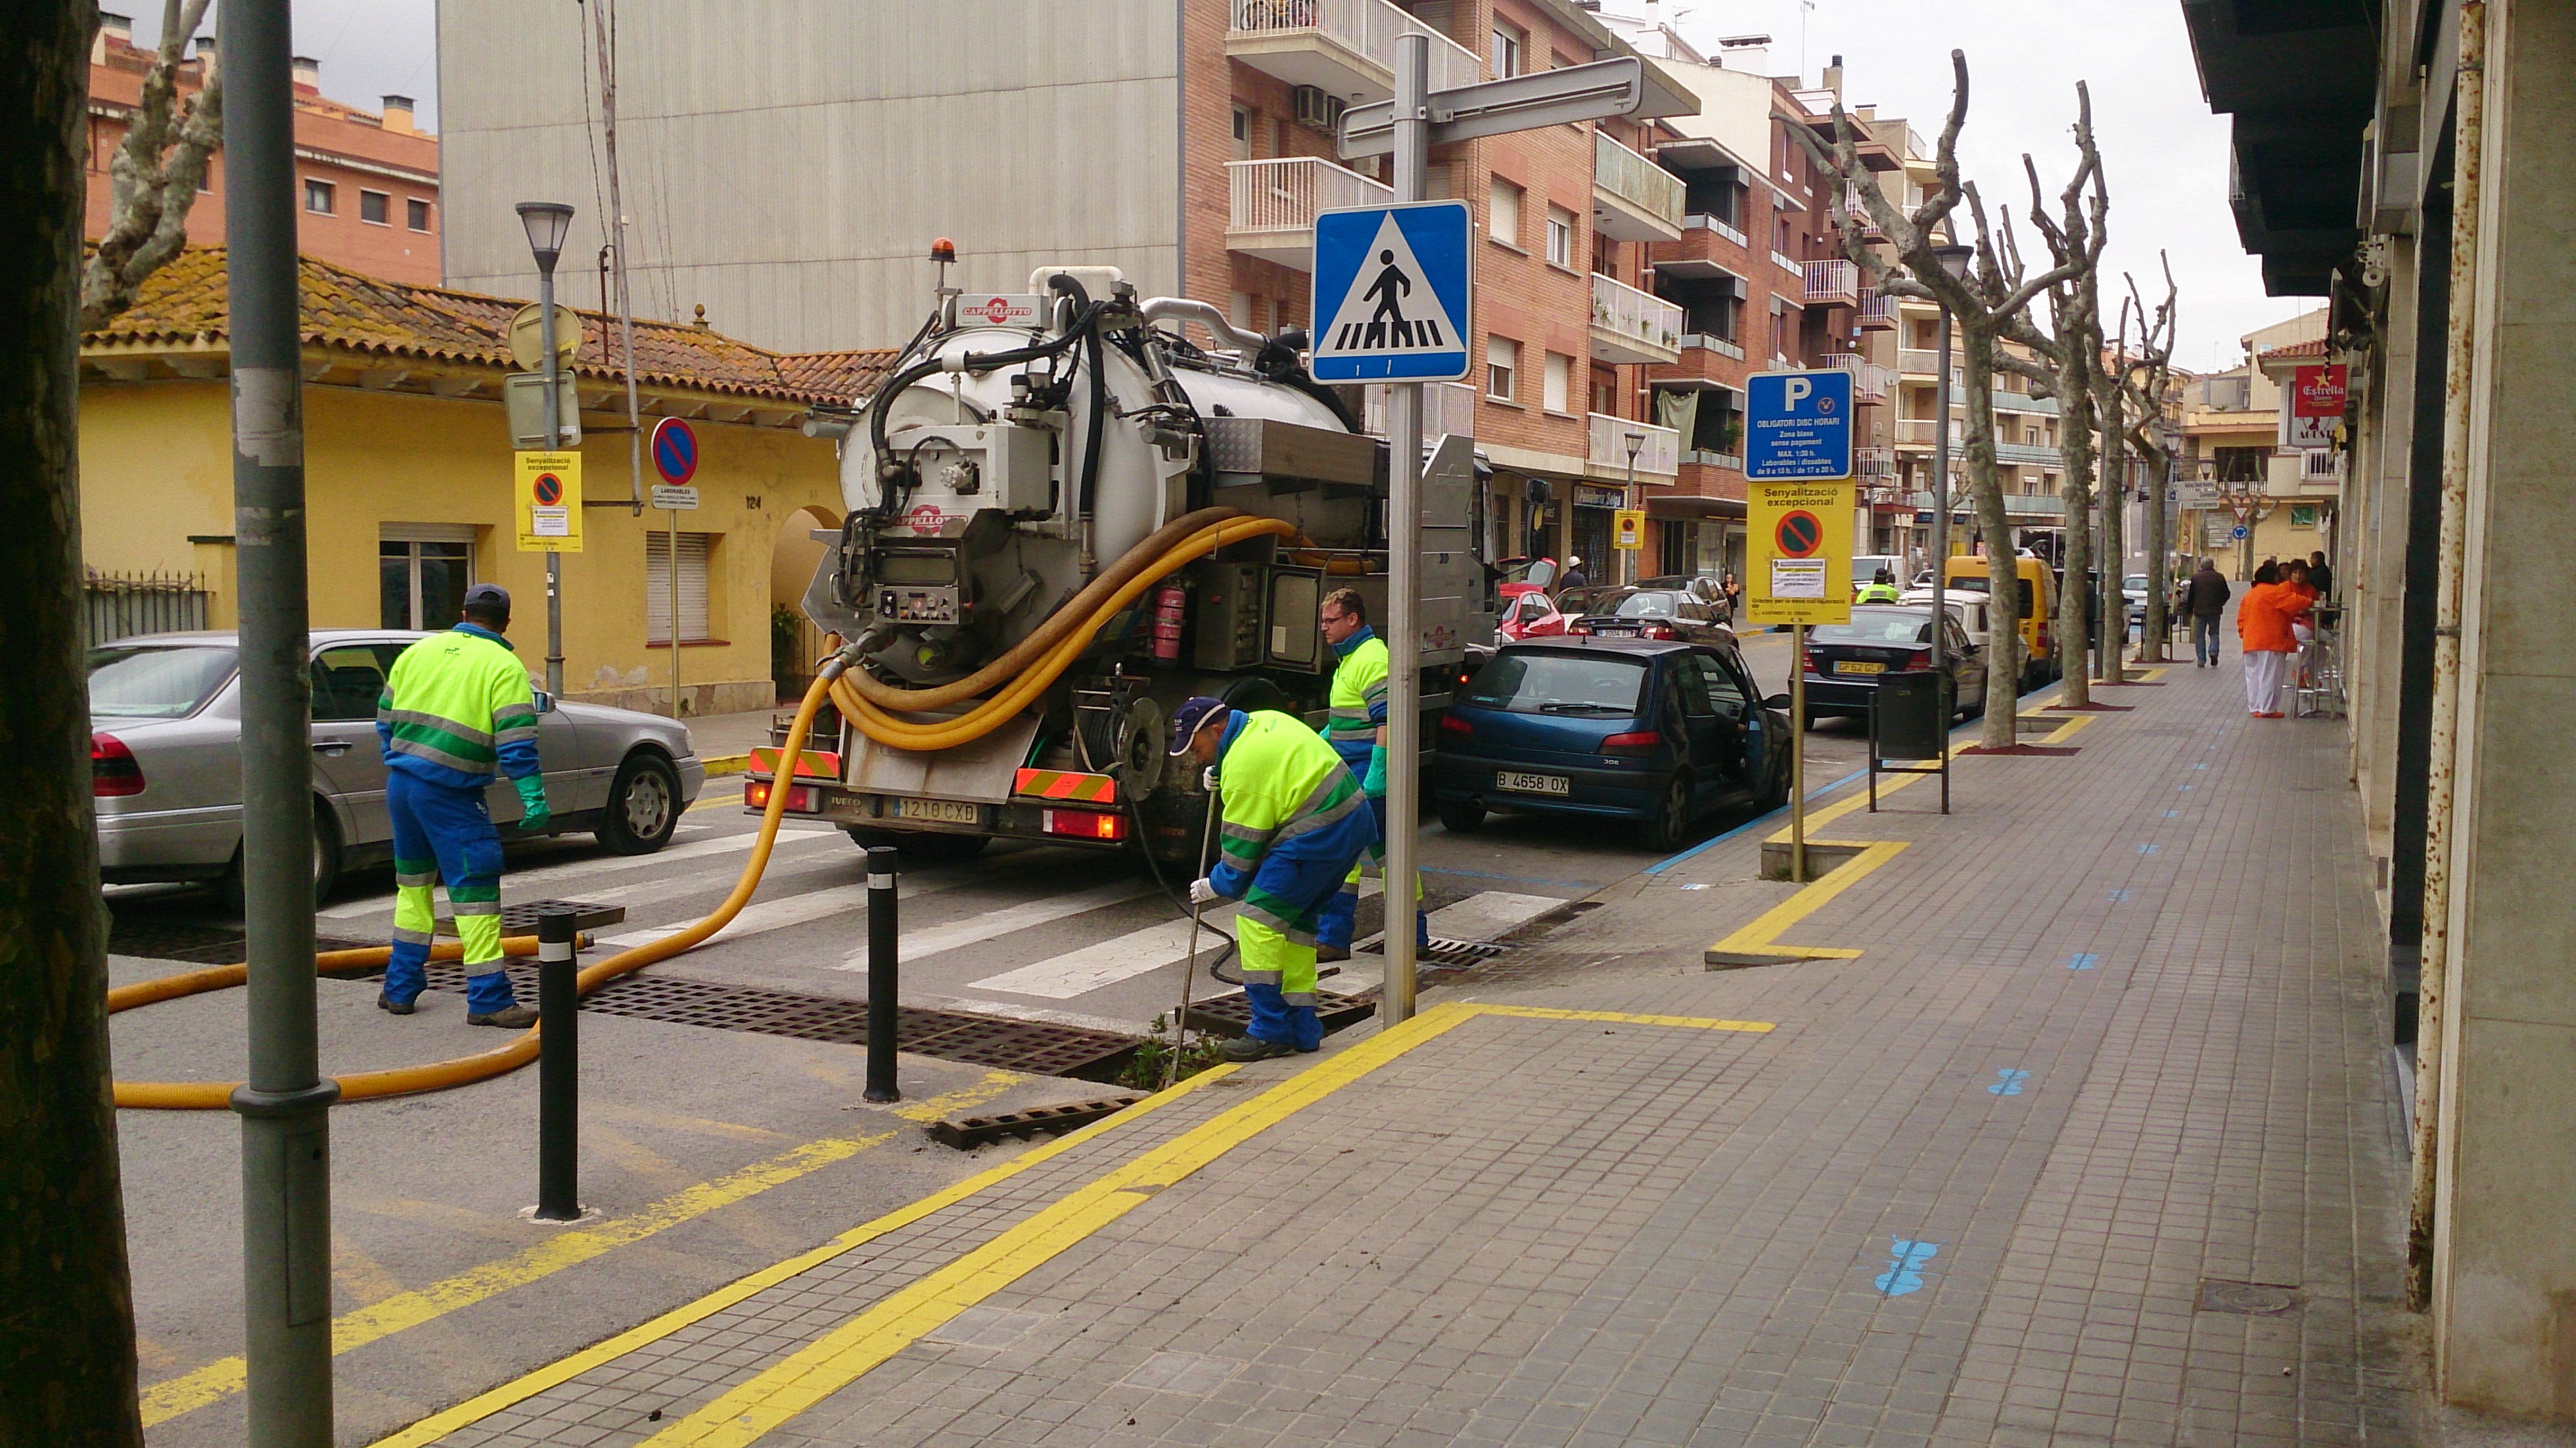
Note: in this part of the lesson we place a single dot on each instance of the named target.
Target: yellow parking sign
(548, 502)
(1628, 528)
(1799, 544)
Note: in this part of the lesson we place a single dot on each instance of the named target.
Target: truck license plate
(1556, 784)
(945, 811)
(1858, 666)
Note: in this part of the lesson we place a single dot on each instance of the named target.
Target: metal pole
(285, 1104)
(554, 443)
(558, 1068)
(671, 562)
(1941, 497)
(881, 970)
(1798, 753)
(1190, 975)
(1404, 559)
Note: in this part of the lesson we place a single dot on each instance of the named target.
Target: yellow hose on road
(439, 1075)
(872, 720)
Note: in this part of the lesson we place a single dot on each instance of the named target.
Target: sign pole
(554, 443)
(1404, 561)
(675, 461)
(671, 564)
(1798, 754)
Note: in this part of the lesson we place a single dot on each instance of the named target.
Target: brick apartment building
(368, 179)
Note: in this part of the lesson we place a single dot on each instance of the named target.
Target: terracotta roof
(2317, 348)
(184, 304)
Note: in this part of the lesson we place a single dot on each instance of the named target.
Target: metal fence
(121, 605)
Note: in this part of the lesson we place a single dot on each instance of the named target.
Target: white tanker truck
(1064, 517)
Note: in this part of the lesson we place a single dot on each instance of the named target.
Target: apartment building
(2234, 467)
(367, 180)
(1188, 142)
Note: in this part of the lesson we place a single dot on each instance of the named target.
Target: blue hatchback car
(1649, 730)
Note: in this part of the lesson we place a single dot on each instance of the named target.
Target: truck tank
(1036, 478)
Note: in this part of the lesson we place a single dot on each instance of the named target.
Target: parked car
(1514, 577)
(165, 761)
(1532, 615)
(1968, 608)
(1845, 661)
(2036, 609)
(1657, 731)
(2134, 589)
(1650, 613)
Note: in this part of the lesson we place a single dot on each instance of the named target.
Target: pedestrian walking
(2263, 628)
(1292, 822)
(456, 707)
(1574, 575)
(2205, 600)
(1733, 588)
(1355, 725)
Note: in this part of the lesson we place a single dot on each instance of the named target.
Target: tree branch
(153, 178)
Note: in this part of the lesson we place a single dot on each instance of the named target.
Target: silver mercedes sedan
(165, 761)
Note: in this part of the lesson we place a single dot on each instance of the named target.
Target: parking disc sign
(1798, 424)
(1391, 293)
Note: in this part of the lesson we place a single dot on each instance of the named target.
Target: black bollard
(881, 974)
(558, 1069)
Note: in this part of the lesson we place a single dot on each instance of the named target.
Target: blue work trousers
(1281, 1024)
(442, 833)
(1340, 916)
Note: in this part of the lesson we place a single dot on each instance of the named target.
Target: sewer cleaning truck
(1065, 516)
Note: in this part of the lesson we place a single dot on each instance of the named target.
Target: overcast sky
(2166, 155)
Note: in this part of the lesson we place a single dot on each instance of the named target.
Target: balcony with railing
(1701, 457)
(1924, 362)
(1631, 327)
(1789, 264)
(1633, 199)
(2024, 402)
(1712, 342)
(1707, 250)
(1877, 310)
(1833, 283)
(1869, 380)
(1659, 449)
(1698, 221)
(2023, 453)
(1924, 432)
(1344, 47)
(1873, 462)
(1448, 410)
(1272, 204)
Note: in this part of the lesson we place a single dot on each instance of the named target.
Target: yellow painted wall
(156, 468)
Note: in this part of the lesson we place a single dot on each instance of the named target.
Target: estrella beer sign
(2316, 404)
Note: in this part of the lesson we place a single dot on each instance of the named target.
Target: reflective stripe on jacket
(1358, 698)
(456, 706)
(1291, 824)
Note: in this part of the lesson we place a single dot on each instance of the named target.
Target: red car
(1526, 610)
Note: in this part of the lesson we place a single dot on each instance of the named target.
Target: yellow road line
(838, 1358)
(401, 1311)
(2067, 728)
(1756, 938)
(528, 1385)
(1887, 785)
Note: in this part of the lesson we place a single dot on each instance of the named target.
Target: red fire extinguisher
(1169, 601)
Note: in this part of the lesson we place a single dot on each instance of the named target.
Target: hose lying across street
(1054, 647)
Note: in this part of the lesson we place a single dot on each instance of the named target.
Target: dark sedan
(1657, 731)
(1845, 661)
(1649, 613)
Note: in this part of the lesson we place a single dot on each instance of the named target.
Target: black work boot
(400, 1008)
(1253, 1048)
(510, 1017)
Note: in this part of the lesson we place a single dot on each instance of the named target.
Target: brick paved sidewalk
(2092, 1142)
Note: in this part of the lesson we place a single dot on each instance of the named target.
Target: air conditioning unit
(1318, 107)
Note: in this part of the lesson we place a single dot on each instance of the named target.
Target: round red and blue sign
(675, 450)
(1799, 533)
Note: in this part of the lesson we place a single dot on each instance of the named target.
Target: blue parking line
(1813, 795)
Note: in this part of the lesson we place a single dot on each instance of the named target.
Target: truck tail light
(1452, 724)
(1083, 824)
(113, 772)
(1640, 743)
(801, 798)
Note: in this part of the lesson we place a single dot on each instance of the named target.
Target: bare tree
(67, 1369)
(153, 179)
(2144, 377)
(1981, 302)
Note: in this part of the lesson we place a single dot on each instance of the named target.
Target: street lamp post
(546, 223)
(1954, 260)
(1628, 565)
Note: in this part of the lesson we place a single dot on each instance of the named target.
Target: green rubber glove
(1373, 784)
(532, 802)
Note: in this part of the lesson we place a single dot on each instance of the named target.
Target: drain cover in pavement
(196, 944)
(1231, 1015)
(2252, 1299)
(1460, 953)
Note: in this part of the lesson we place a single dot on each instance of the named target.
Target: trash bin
(1909, 716)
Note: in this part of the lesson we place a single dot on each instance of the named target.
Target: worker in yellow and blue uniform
(1291, 823)
(456, 707)
(1881, 588)
(1356, 728)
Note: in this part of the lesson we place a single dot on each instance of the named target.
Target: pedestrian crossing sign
(1391, 293)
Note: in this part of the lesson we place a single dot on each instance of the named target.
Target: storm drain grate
(196, 944)
(521, 918)
(1231, 1015)
(1035, 1047)
(1457, 953)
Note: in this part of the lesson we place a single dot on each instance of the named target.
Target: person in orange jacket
(2263, 628)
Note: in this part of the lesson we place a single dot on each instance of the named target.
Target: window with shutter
(693, 587)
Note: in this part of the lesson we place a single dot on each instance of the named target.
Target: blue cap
(487, 595)
(1190, 717)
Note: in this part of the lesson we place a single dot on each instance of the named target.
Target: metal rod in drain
(881, 974)
(558, 1068)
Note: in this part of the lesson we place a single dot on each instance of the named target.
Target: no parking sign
(1800, 535)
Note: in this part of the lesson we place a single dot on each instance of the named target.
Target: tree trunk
(2113, 419)
(67, 1372)
(2075, 455)
(2158, 632)
(2003, 568)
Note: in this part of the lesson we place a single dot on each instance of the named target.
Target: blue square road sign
(1392, 293)
(1798, 425)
